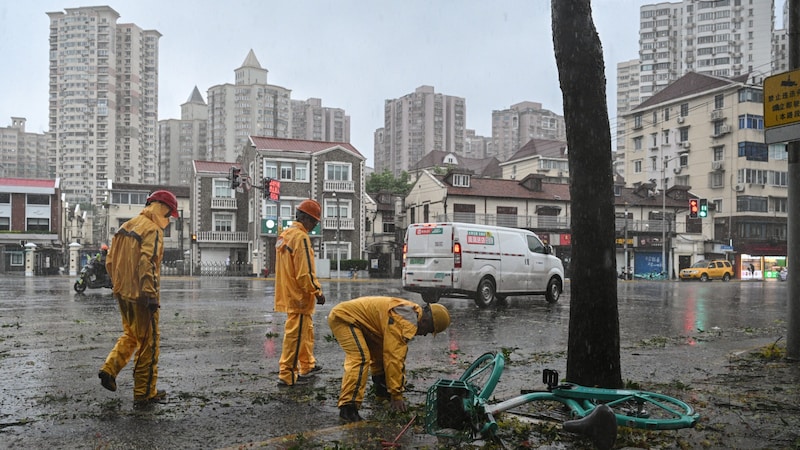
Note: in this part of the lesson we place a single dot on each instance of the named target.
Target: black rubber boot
(349, 413)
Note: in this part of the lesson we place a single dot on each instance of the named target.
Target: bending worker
(297, 292)
(374, 333)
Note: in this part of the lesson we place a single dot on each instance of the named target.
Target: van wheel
(553, 290)
(430, 297)
(484, 296)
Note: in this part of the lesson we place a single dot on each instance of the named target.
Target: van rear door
(429, 255)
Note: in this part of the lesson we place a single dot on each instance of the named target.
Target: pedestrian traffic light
(703, 211)
(235, 177)
(272, 189)
(693, 208)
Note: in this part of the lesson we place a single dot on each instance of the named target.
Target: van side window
(535, 245)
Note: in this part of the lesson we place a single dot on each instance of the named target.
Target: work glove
(320, 299)
(398, 405)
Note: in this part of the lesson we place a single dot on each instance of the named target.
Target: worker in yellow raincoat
(297, 291)
(134, 263)
(374, 333)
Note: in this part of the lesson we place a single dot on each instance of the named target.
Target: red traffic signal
(693, 207)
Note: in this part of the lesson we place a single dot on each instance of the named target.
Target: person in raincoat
(134, 263)
(297, 291)
(374, 333)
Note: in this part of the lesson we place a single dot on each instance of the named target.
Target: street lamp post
(338, 228)
(664, 211)
(625, 245)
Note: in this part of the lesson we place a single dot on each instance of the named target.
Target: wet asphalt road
(221, 343)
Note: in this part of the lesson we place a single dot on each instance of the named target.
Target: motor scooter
(93, 276)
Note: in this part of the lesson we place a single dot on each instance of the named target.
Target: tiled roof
(689, 84)
(214, 167)
(299, 145)
(28, 182)
(486, 167)
(492, 187)
(547, 148)
(179, 191)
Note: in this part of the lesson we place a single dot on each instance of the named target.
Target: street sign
(782, 107)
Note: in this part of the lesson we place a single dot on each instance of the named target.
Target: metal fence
(207, 269)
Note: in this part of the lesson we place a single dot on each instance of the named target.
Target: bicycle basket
(449, 408)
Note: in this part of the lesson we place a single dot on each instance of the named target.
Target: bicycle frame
(460, 408)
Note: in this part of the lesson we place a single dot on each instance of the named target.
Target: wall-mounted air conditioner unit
(681, 119)
(724, 129)
(686, 144)
(716, 165)
(739, 188)
(716, 114)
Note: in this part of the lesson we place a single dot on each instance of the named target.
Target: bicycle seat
(600, 426)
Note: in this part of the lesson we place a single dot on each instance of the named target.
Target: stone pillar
(30, 248)
(74, 258)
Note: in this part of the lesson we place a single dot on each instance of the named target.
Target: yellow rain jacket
(134, 259)
(388, 324)
(296, 283)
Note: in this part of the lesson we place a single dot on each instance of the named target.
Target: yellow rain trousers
(374, 333)
(296, 290)
(134, 264)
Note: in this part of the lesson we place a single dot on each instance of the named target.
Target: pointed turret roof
(196, 97)
(251, 60)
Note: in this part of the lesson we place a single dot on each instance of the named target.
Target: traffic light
(693, 208)
(235, 177)
(703, 211)
(272, 189)
(194, 238)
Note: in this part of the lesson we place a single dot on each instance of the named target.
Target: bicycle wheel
(652, 411)
(484, 373)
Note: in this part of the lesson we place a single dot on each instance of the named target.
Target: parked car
(705, 270)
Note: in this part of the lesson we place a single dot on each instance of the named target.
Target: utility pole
(793, 212)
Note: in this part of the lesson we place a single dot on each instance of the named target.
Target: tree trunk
(593, 345)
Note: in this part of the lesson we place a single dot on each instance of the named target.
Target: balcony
(339, 186)
(222, 237)
(507, 220)
(344, 223)
(223, 203)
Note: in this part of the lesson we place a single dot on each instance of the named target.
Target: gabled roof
(214, 167)
(646, 195)
(27, 182)
(485, 167)
(499, 188)
(690, 84)
(196, 97)
(547, 148)
(299, 145)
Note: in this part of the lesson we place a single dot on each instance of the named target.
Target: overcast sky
(353, 54)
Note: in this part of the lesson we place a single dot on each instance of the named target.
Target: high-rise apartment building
(724, 38)
(183, 140)
(516, 126)
(248, 107)
(23, 154)
(313, 122)
(416, 124)
(103, 102)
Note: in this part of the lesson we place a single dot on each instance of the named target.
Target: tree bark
(593, 344)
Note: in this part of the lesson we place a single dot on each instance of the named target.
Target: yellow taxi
(705, 270)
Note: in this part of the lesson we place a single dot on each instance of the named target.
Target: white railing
(339, 186)
(223, 203)
(222, 236)
(344, 223)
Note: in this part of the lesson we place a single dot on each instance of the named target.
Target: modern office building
(22, 154)
(183, 140)
(103, 102)
(516, 126)
(416, 124)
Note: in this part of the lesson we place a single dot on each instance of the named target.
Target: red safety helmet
(310, 207)
(167, 198)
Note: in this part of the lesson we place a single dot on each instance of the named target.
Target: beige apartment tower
(103, 102)
(183, 140)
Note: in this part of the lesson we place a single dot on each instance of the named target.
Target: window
(637, 143)
(17, 258)
(128, 198)
(388, 227)
(718, 152)
(223, 222)
(5, 223)
(637, 121)
(754, 151)
(286, 172)
(779, 204)
(222, 188)
(751, 121)
(683, 132)
(5, 198)
(337, 171)
(507, 216)
(637, 166)
(746, 203)
(270, 169)
(665, 137)
(684, 109)
(37, 224)
(719, 101)
(719, 126)
(464, 213)
(751, 95)
(535, 245)
(301, 171)
(777, 152)
(38, 199)
(653, 140)
(666, 114)
(270, 210)
(716, 179)
(461, 180)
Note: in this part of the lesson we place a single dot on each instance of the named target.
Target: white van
(479, 261)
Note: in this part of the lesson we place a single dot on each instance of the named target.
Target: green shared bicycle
(460, 409)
